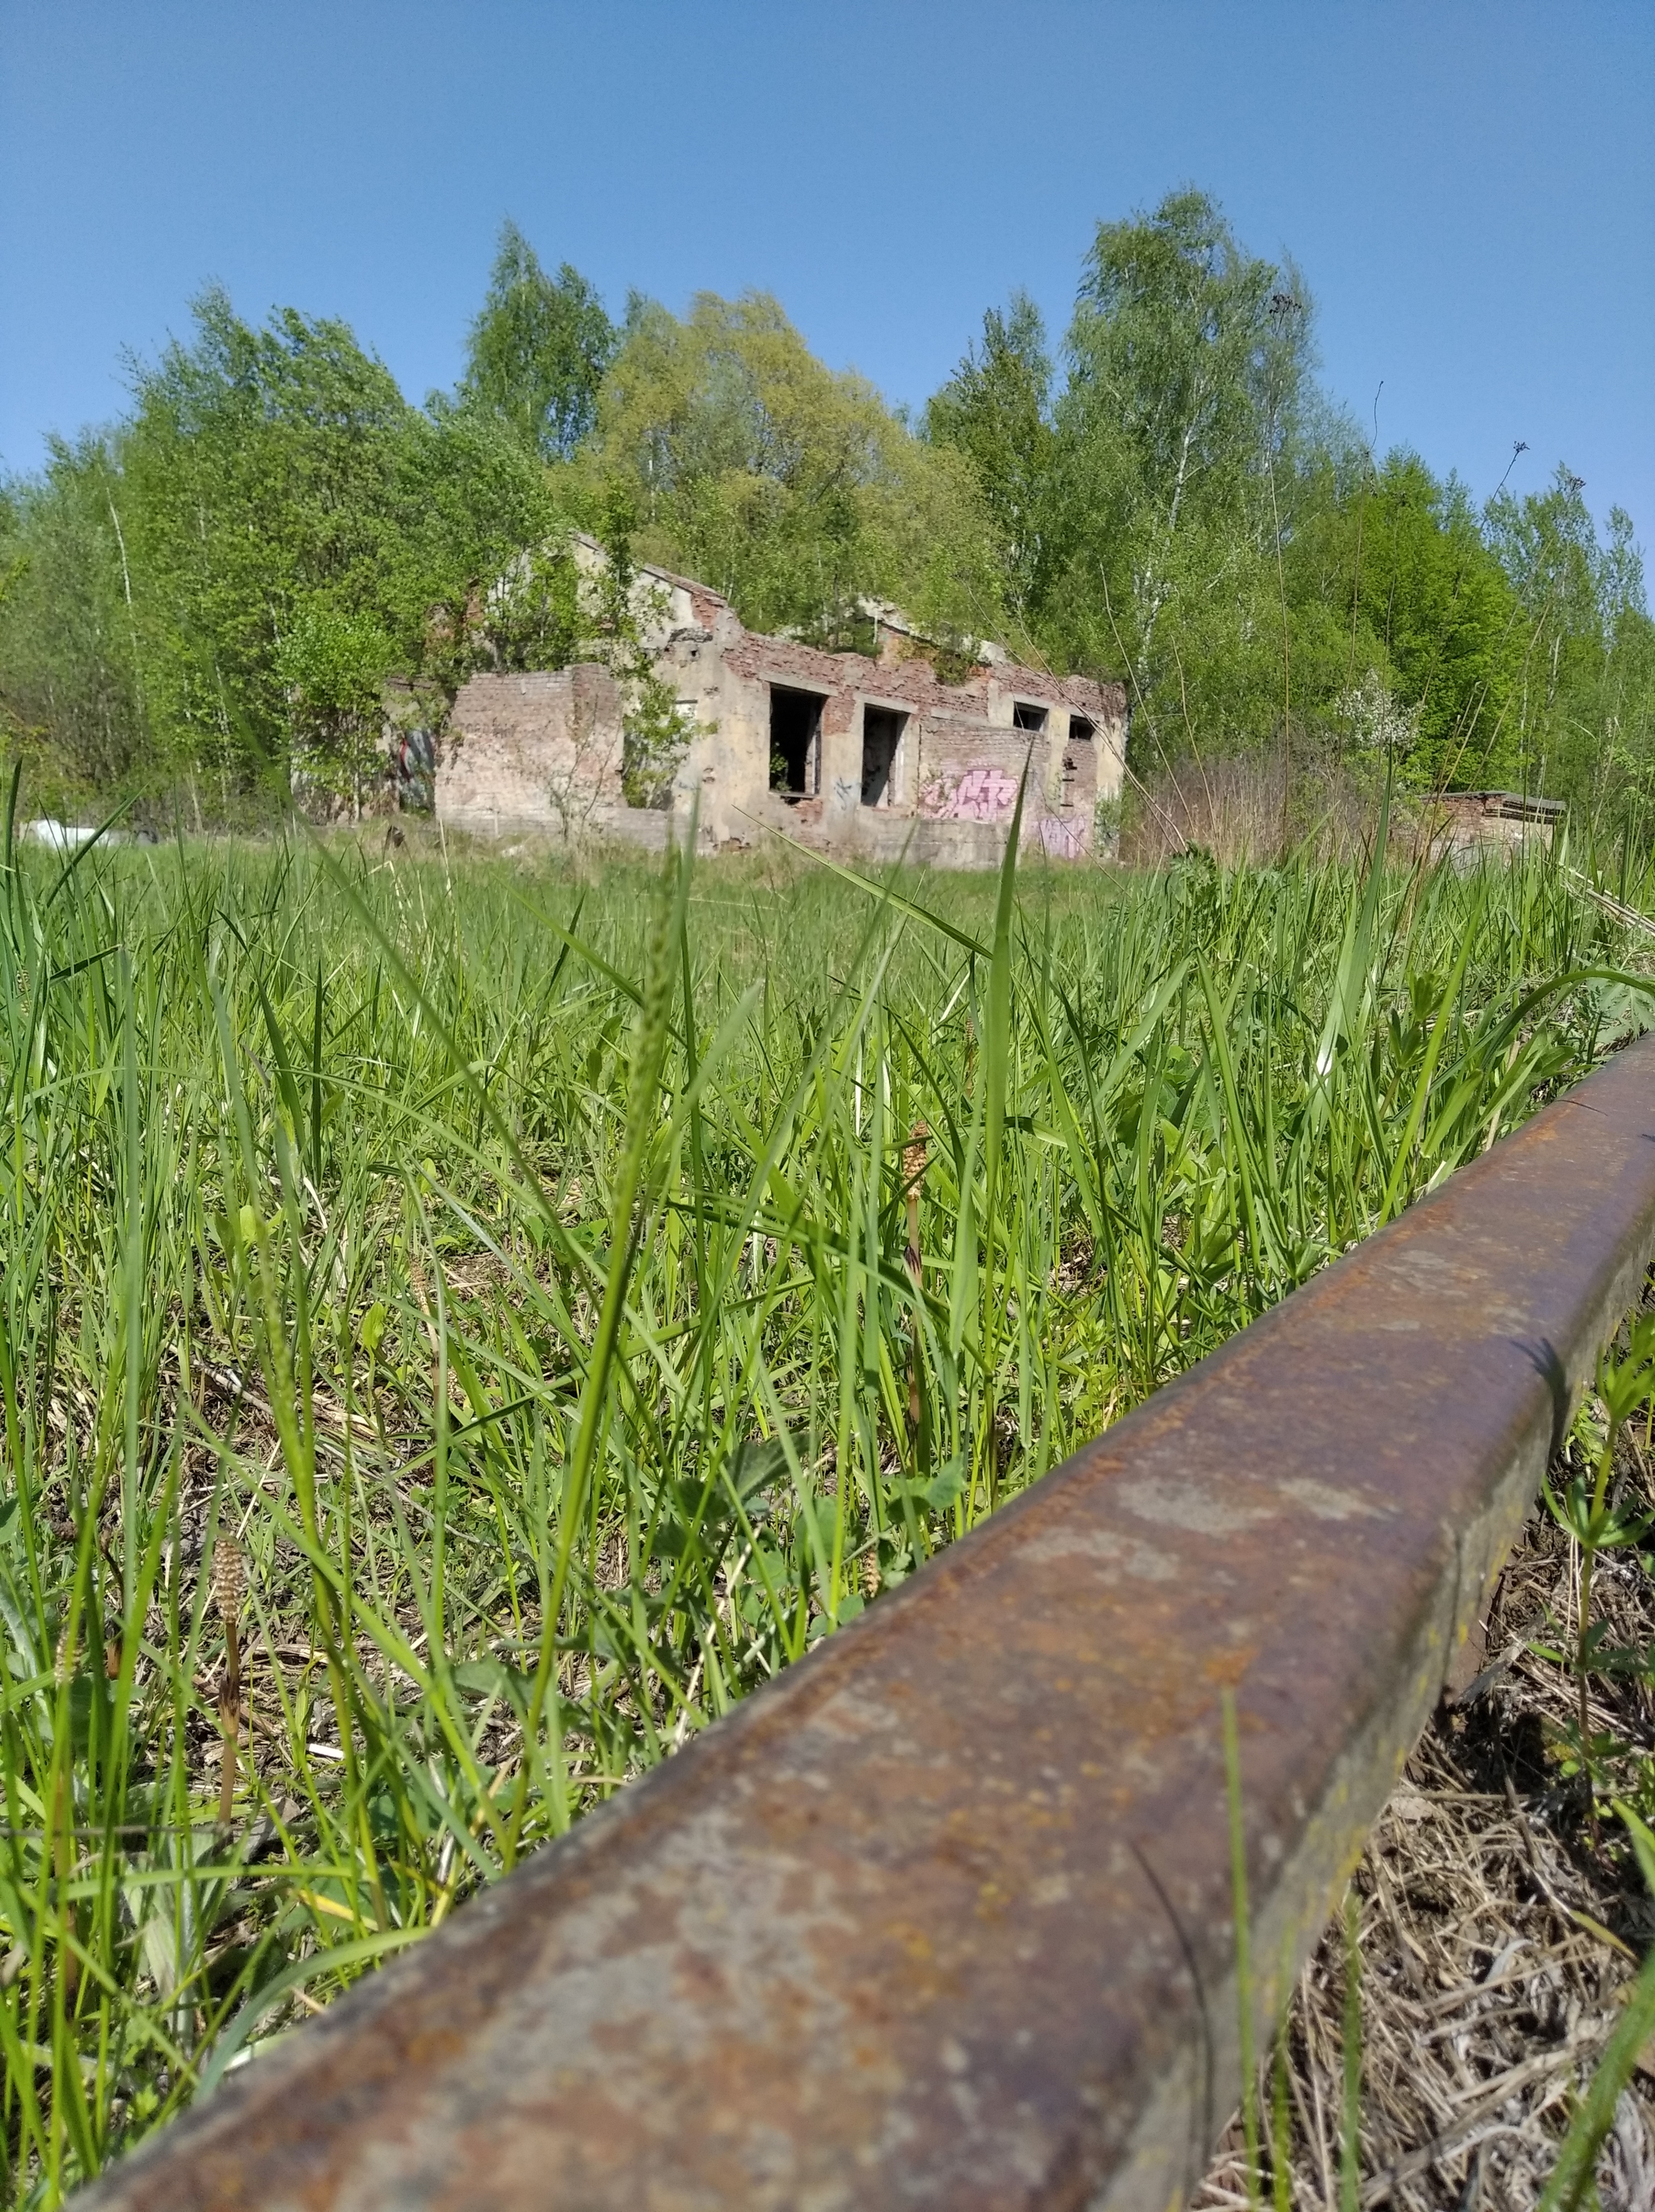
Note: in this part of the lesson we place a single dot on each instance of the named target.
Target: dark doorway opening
(1080, 734)
(795, 741)
(882, 729)
(1026, 716)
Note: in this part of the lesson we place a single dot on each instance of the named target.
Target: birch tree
(996, 411)
(537, 353)
(1188, 361)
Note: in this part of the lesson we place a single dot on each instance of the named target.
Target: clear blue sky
(1468, 185)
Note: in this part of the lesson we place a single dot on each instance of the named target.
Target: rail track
(942, 1918)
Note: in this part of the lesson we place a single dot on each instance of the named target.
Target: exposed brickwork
(545, 751)
(910, 680)
(539, 751)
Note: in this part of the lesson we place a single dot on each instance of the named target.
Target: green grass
(491, 1289)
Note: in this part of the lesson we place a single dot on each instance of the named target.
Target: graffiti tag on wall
(1064, 840)
(982, 795)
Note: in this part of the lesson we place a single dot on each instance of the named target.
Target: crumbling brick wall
(541, 751)
(964, 758)
(545, 751)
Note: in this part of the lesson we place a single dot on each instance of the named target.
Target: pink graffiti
(982, 794)
(1062, 840)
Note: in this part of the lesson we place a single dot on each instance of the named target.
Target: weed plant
(462, 1329)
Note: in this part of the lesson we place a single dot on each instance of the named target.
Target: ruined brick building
(864, 754)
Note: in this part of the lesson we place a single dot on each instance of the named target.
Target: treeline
(228, 585)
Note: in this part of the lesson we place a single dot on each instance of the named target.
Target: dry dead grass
(1498, 1931)
(1239, 810)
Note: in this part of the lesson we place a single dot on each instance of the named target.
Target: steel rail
(942, 1916)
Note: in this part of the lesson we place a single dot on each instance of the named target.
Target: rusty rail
(942, 1916)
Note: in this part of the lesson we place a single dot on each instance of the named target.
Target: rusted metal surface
(942, 1918)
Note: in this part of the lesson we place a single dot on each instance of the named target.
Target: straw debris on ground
(1499, 1923)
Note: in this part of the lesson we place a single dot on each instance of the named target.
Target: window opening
(1026, 716)
(1081, 731)
(795, 741)
(882, 729)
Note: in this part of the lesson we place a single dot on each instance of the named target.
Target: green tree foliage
(1399, 563)
(788, 487)
(996, 411)
(1142, 507)
(262, 463)
(1188, 357)
(1187, 360)
(69, 663)
(1185, 510)
(294, 524)
(537, 351)
(228, 580)
(1584, 683)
